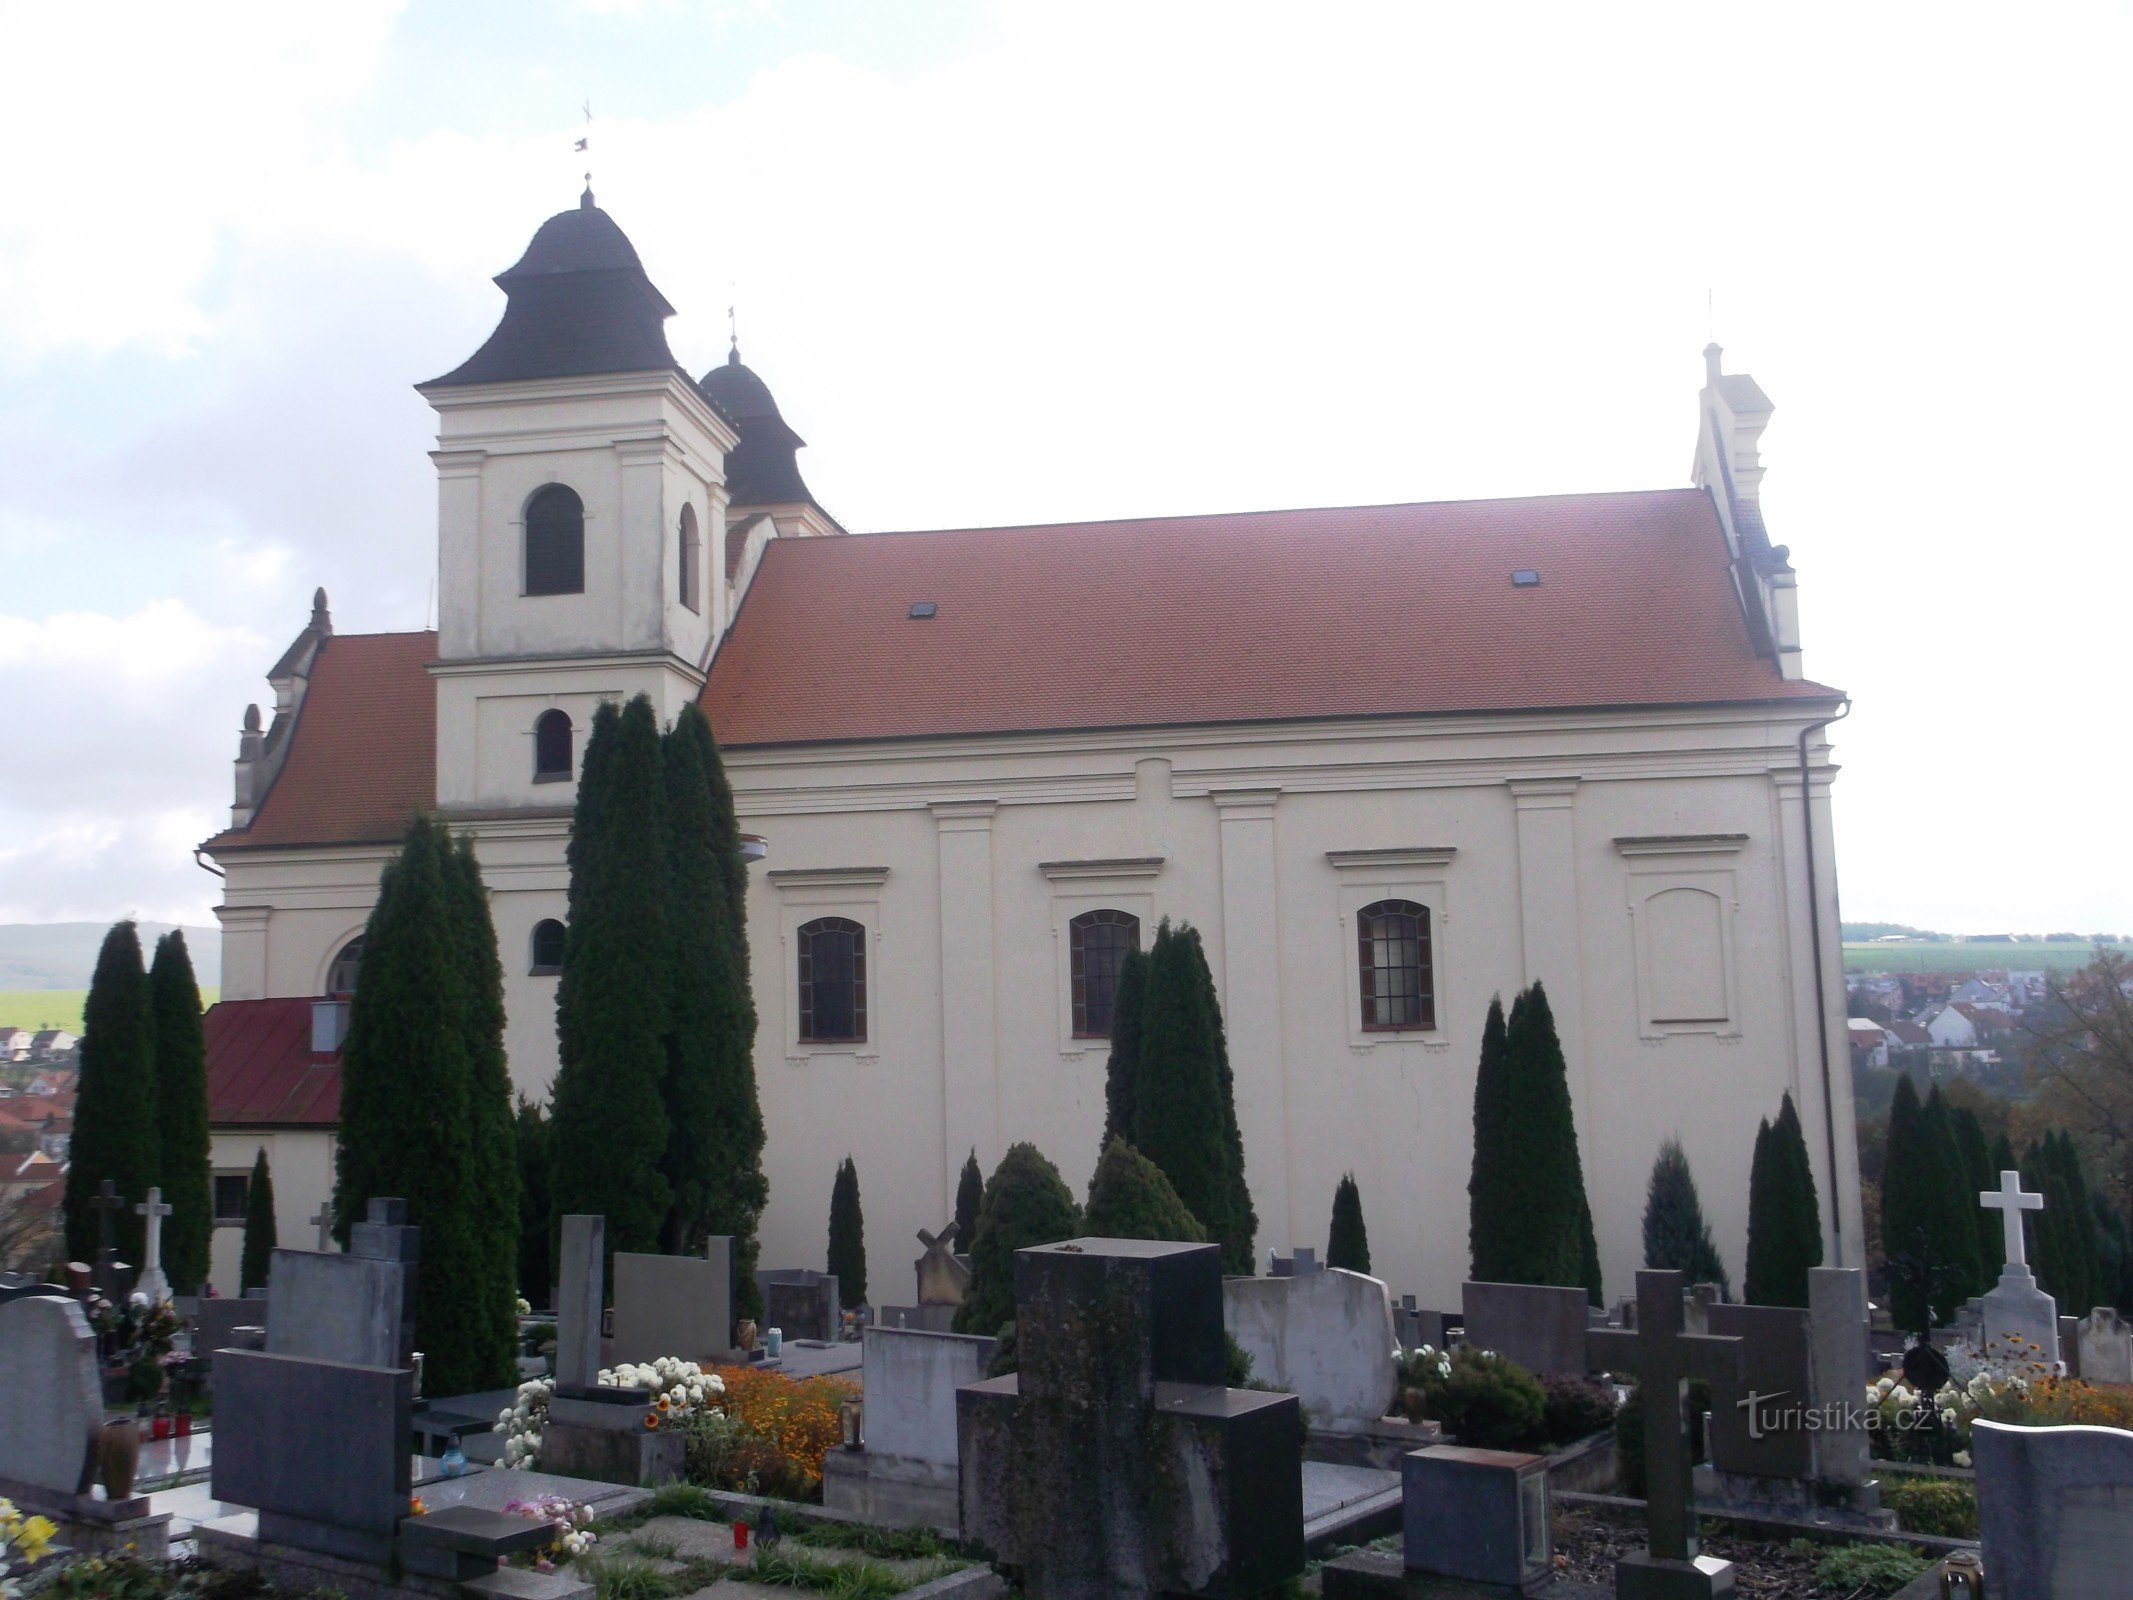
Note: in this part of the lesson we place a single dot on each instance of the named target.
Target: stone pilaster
(970, 1110)
(1251, 1001)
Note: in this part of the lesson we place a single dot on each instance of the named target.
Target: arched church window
(547, 947)
(691, 560)
(1393, 960)
(341, 976)
(1098, 942)
(551, 747)
(833, 981)
(555, 541)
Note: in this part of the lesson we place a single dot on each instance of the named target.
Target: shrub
(1944, 1506)
(1129, 1198)
(1676, 1237)
(783, 1427)
(848, 1237)
(1026, 1203)
(1869, 1569)
(1347, 1240)
(1484, 1400)
(1574, 1408)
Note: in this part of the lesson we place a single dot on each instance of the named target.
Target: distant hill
(62, 955)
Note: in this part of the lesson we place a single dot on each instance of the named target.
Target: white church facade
(1391, 761)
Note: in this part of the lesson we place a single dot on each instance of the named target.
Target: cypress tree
(1026, 1203)
(425, 1103)
(1977, 1178)
(1178, 1113)
(2042, 1229)
(1347, 1240)
(1676, 1237)
(1784, 1218)
(1129, 1198)
(713, 1160)
(1927, 1274)
(2003, 1160)
(260, 1236)
(848, 1237)
(1242, 1227)
(115, 1105)
(531, 1137)
(610, 1120)
(2087, 1240)
(181, 1103)
(2068, 1261)
(1491, 1212)
(1123, 1065)
(1548, 1226)
(969, 1195)
(1957, 1224)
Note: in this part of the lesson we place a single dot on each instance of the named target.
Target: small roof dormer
(578, 302)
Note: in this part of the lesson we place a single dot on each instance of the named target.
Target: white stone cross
(2010, 1202)
(152, 1282)
(324, 1223)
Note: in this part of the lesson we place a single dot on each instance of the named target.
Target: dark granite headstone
(802, 1303)
(318, 1448)
(385, 1234)
(1114, 1464)
(1774, 1443)
(345, 1308)
(1540, 1327)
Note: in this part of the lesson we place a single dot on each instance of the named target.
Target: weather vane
(584, 145)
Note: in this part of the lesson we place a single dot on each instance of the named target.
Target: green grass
(2024, 957)
(890, 1544)
(788, 1568)
(676, 1500)
(57, 1008)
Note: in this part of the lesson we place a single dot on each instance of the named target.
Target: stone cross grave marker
(2020, 1318)
(152, 1282)
(323, 1221)
(1664, 1358)
(109, 1269)
(942, 1279)
(1114, 1465)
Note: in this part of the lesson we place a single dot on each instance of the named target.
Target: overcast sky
(1022, 263)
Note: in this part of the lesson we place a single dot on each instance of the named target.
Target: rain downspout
(1814, 939)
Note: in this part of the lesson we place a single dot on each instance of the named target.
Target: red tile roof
(1265, 616)
(260, 1067)
(363, 754)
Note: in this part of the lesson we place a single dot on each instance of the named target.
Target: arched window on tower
(551, 747)
(1393, 963)
(1099, 942)
(692, 564)
(833, 981)
(547, 948)
(341, 976)
(555, 541)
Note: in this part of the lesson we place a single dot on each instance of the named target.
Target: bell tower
(580, 481)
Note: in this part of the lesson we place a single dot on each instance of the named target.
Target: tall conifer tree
(1347, 1240)
(426, 1107)
(115, 1105)
(1122, 1067)
(181, 1103)
(1923, 1241)
(1676, 1236)
(1491, 1210)
(969, 1195)
(536, 1206)
(714, 1160)
(1784, 1217)
(1956, 1200)
(1544, 1219)
(1242, 1227)
(848, 1237)
(261, 1233)
(610, 1120)
(1978, 1176)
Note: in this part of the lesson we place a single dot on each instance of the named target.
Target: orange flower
(415, 1507)
(651, 1419)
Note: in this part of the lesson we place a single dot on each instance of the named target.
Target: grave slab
(2105, 1343)
(2055, 1511)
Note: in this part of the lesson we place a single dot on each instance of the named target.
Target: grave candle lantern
(848, 1415)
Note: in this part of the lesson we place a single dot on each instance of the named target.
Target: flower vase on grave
(744, 1334)
(118, 1455)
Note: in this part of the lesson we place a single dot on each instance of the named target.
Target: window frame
(217, 1216)
(1367, 966)
(569, 768)
(551, 492)
(806, 977)
(690, 574)
(1420, 874)
(535, 967)
(328, 990)
(1078, 927)
(808, 894)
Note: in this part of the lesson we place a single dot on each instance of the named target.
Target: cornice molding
(1107, 868)
(826, 877)
(1681, 844)
(1412, 855)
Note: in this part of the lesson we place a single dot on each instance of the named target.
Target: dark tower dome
(763, 469)
(577, 302)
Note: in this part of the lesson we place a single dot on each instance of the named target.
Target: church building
(1390, 760)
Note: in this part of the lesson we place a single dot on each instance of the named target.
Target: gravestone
(2105, 1344)
(1837, 1330)
(113, 1277)
(216, 1320)
(385, 1234)
(943, 1276)
(1300, 1263)
(595, 1431)
(322, 1219)
(152, 1282)
(1767, 1438)
(1665, 1357)
(1326, 1336)
(339, 1308)
(675, 1305)
(1115, 1465)
(1477, 1515)
(51, 1398)
(1540, 1327)
(802, 1302)
(318, 1448)
(581, 1296)
(2021, 1320)
(906, 1473)
(2055, 1511)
